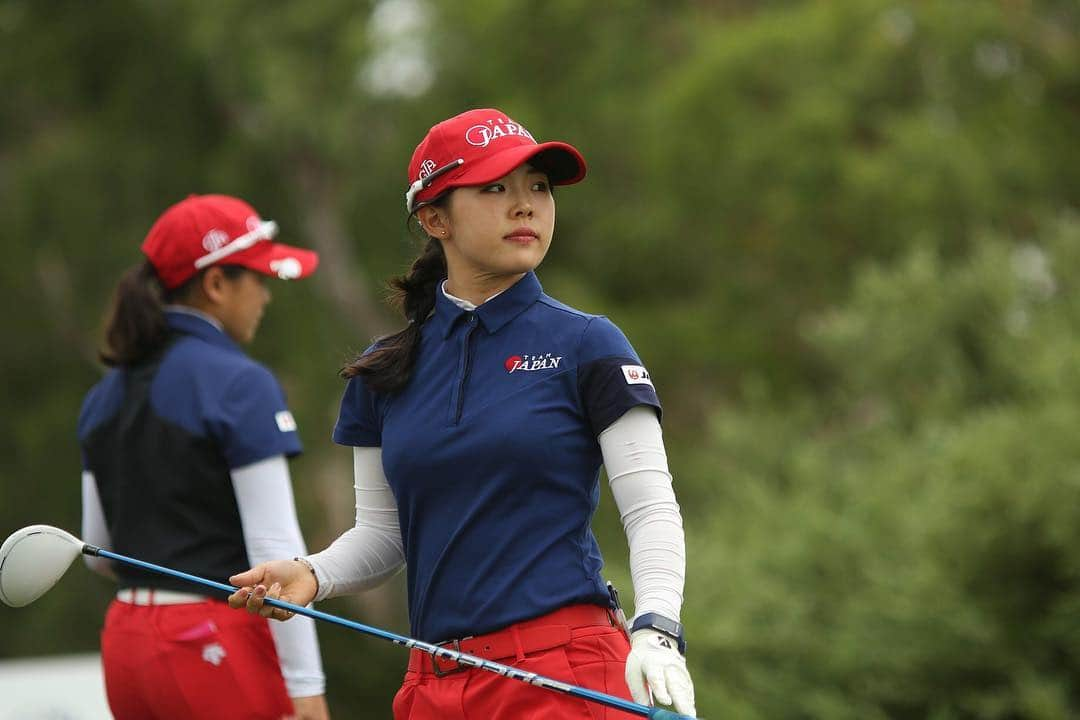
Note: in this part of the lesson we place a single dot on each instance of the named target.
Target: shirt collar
(190, 321)
(194, 312)
(494, 313)
(462, 302)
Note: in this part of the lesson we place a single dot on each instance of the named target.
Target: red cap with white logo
(479, 146)
(205, 230)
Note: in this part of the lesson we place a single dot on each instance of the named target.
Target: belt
(154, 596)
(518, 640)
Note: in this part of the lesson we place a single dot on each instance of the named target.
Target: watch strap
(661, 624)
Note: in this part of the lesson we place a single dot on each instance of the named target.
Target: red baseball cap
(479, 146)
(205, 230)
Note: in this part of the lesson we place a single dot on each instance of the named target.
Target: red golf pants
(581, 645)
(195, 660)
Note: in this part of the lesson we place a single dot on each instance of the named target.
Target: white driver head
(32, 560)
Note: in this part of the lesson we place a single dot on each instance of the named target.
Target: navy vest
(167, 495)
(161, 439)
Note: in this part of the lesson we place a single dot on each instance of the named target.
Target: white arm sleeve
(94, 529)
(633, 450)
(271, 532)
(370, 552)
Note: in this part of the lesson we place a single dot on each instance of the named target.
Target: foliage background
(844, 237)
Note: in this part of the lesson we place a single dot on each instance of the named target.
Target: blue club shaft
(435, 651)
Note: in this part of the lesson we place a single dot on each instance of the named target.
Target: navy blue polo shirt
(161, 439)
(491, 451)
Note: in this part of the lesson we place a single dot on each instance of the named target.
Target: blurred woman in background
(184, 445)
(478, 434)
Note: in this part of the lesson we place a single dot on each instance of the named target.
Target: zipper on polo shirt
(466, 363)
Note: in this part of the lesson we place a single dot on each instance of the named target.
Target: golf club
(34, 559)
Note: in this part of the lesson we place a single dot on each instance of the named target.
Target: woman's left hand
(656, 665)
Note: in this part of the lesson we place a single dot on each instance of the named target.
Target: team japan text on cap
(479, 146)
(205, 230)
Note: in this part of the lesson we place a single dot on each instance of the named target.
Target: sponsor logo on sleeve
(636, 375)
(285, 421)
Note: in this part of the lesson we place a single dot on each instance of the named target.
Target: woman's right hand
(288, 580)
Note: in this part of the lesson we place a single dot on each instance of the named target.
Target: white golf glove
(655, 664)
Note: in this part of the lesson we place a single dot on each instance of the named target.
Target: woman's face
(499, 229)
(241, 310)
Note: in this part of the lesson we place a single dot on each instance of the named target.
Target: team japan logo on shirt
(531, 363)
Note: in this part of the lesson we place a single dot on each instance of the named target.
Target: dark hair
(389, 365)
(136, 329)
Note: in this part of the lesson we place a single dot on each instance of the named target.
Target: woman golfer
(184, 446)
(478, 433)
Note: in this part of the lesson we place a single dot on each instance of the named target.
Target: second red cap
(204, 230)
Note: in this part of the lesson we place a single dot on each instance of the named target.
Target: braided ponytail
(388, 367)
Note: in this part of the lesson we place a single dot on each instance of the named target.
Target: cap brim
(277, 260)
(562, 163)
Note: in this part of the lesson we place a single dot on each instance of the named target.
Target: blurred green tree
(913, 549)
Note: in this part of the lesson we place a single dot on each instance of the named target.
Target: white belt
(154, 596)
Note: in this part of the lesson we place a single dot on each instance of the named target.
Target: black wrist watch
(661, 624)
